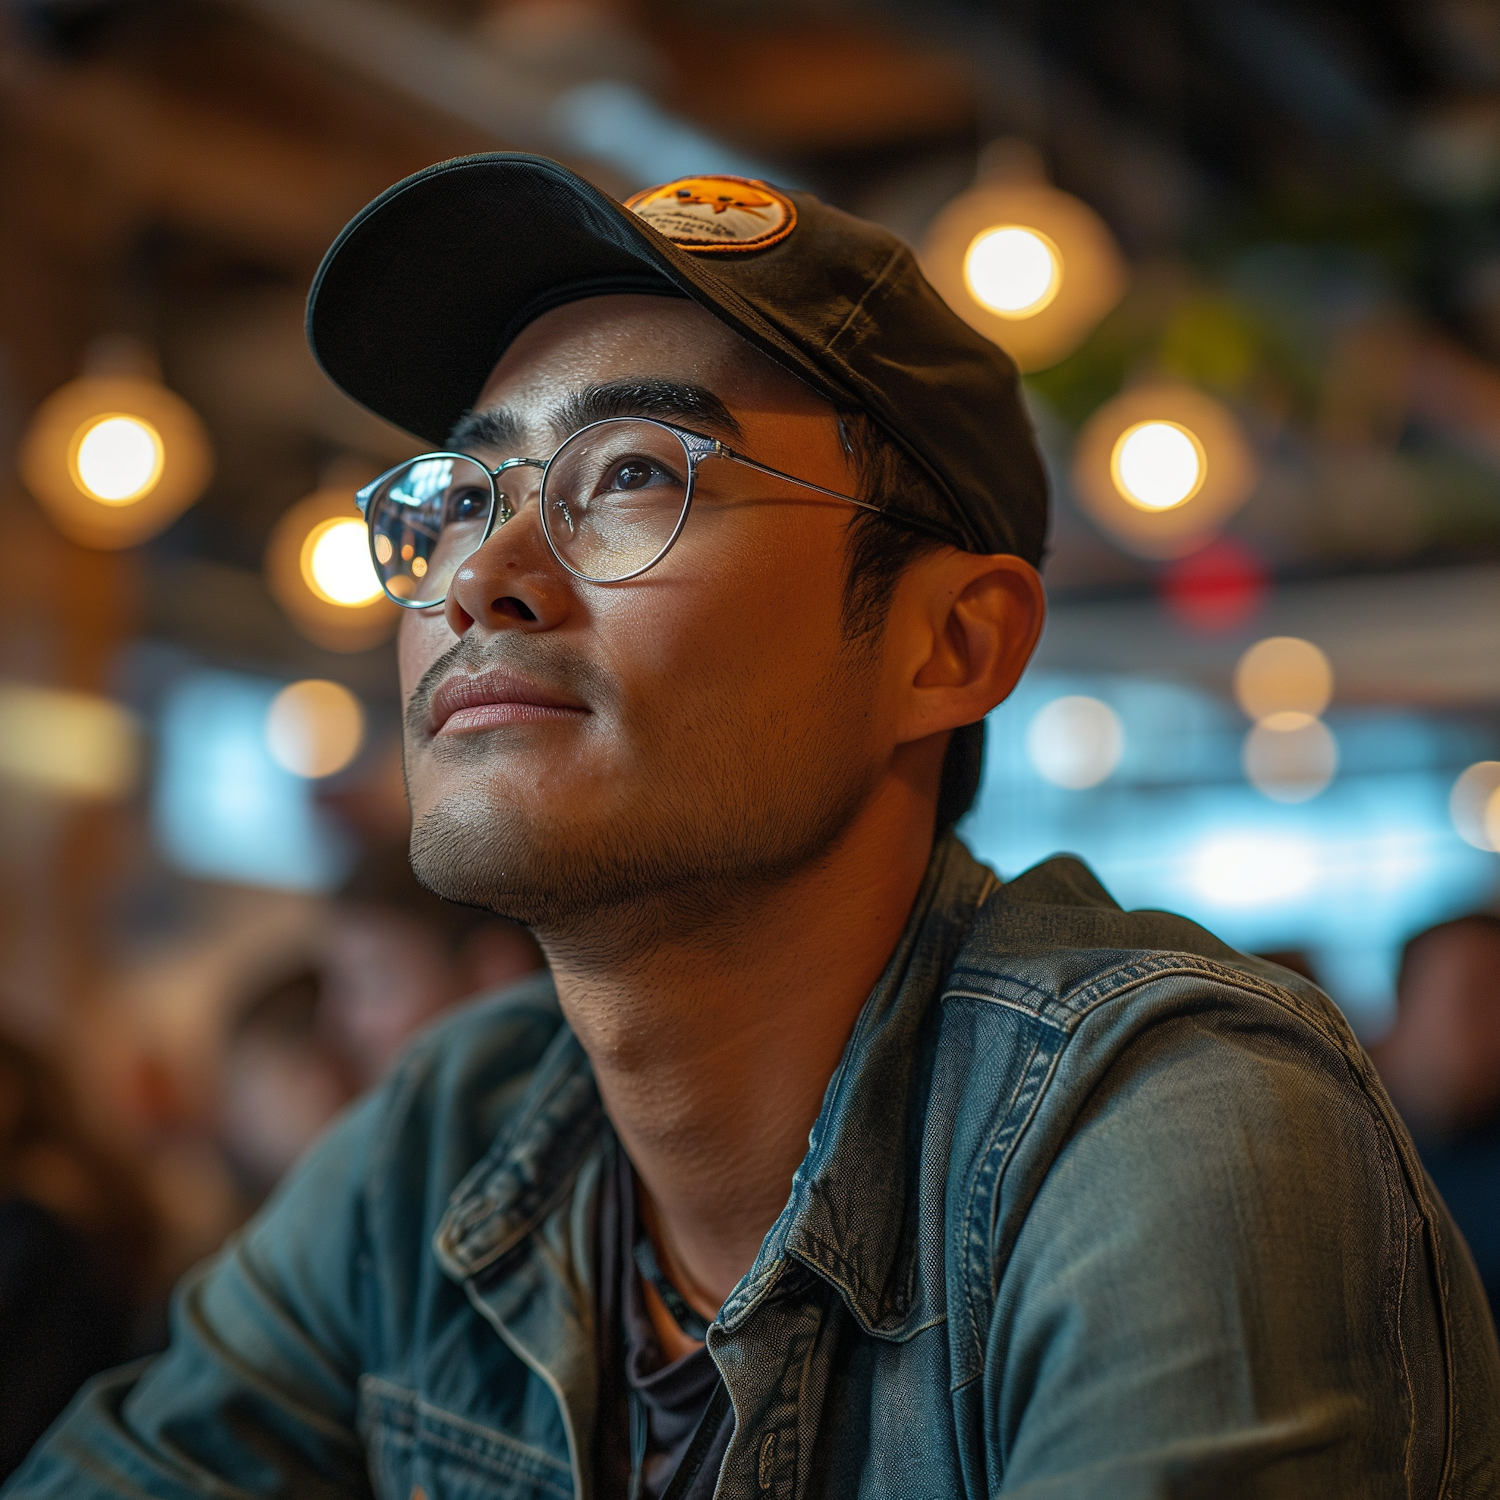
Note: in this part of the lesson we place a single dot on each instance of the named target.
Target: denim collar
(854, 1210)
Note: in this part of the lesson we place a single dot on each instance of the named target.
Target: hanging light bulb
(114, 457)
(1161, 468)
(1158, 465)
(1024, 263)
(318, 569)
(1012, 271)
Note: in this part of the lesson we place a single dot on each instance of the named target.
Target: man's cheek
(420, 640)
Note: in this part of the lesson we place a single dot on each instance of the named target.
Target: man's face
(704, 728)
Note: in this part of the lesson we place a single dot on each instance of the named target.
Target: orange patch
(716, 214)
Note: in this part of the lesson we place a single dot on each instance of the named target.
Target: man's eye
(632, 474)
(468, 505)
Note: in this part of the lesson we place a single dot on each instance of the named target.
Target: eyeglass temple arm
(722, 451)
(806, 484)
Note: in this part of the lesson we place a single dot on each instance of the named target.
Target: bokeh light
(336, 562)
(1283, 674)
(314, 728)
(319, 571)
(113, 460)
(71, 745)
(1474, 805)
(1218, 589)
(1075, 742)
(1158, 465)
(1161, 468)
(1012, 270)
(1030, 267)
(118, 459)
(1252, 869)
(1290, 756)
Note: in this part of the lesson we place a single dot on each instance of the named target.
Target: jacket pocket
(418, 1451)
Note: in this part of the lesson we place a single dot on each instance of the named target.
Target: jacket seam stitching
(846, 1290)
(386, 1390)
(1005, 1153)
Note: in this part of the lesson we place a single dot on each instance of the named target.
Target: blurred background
(1247, 253)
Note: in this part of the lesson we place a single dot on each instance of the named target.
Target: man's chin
(483, 860)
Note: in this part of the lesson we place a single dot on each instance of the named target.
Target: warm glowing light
(1162, 467)
(117, 460)
(383, 548)
(1252, 869)
(114, 459)
(336, 562)
(1283, 674)
(1474, 805)
(1158, 465)
(314, 728)
(1075, 742)
(1290, 756)
(320, 571)
(1012, 271)
(1023, 263)
(68, 744)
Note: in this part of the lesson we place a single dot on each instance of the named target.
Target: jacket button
(767, 1459)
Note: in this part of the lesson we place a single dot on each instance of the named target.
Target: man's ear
(977, 620)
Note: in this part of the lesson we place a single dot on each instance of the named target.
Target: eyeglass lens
(425, 519)
(613, 500)
(614, 497)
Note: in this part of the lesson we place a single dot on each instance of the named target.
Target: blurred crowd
(111, 1183)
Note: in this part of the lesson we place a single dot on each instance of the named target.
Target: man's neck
(712, 1058)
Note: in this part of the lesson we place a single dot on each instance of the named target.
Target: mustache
(551, 662)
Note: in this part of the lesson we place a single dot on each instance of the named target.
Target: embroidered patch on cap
(717, 213)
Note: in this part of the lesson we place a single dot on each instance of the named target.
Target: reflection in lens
(614, 497)
(426, 518)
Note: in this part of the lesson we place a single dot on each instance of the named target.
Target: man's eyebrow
(667, 400)
(496, 428)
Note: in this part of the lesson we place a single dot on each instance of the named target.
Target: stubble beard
(722, 808)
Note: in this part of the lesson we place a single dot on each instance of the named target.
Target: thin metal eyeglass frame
(696, 445)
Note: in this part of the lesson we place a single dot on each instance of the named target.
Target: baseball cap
(425, 288)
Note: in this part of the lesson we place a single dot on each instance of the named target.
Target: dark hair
(877, 552)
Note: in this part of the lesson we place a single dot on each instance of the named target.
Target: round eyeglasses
(614, 498)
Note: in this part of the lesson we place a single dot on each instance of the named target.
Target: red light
(1216, 590)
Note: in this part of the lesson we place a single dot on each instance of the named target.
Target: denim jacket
(1094, 1207)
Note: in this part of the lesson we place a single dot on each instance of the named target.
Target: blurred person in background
(1441, 1063)
(391, 957)
(75, 1239)
(282, 1081)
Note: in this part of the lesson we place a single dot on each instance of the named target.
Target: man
(823, 1164)
(1441, 1063)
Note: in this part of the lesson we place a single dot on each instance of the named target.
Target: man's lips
(485, 700)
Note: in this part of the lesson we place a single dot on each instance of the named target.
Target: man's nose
(513, 580)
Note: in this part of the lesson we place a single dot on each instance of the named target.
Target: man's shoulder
(1061, 1009)
(1055, 944)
